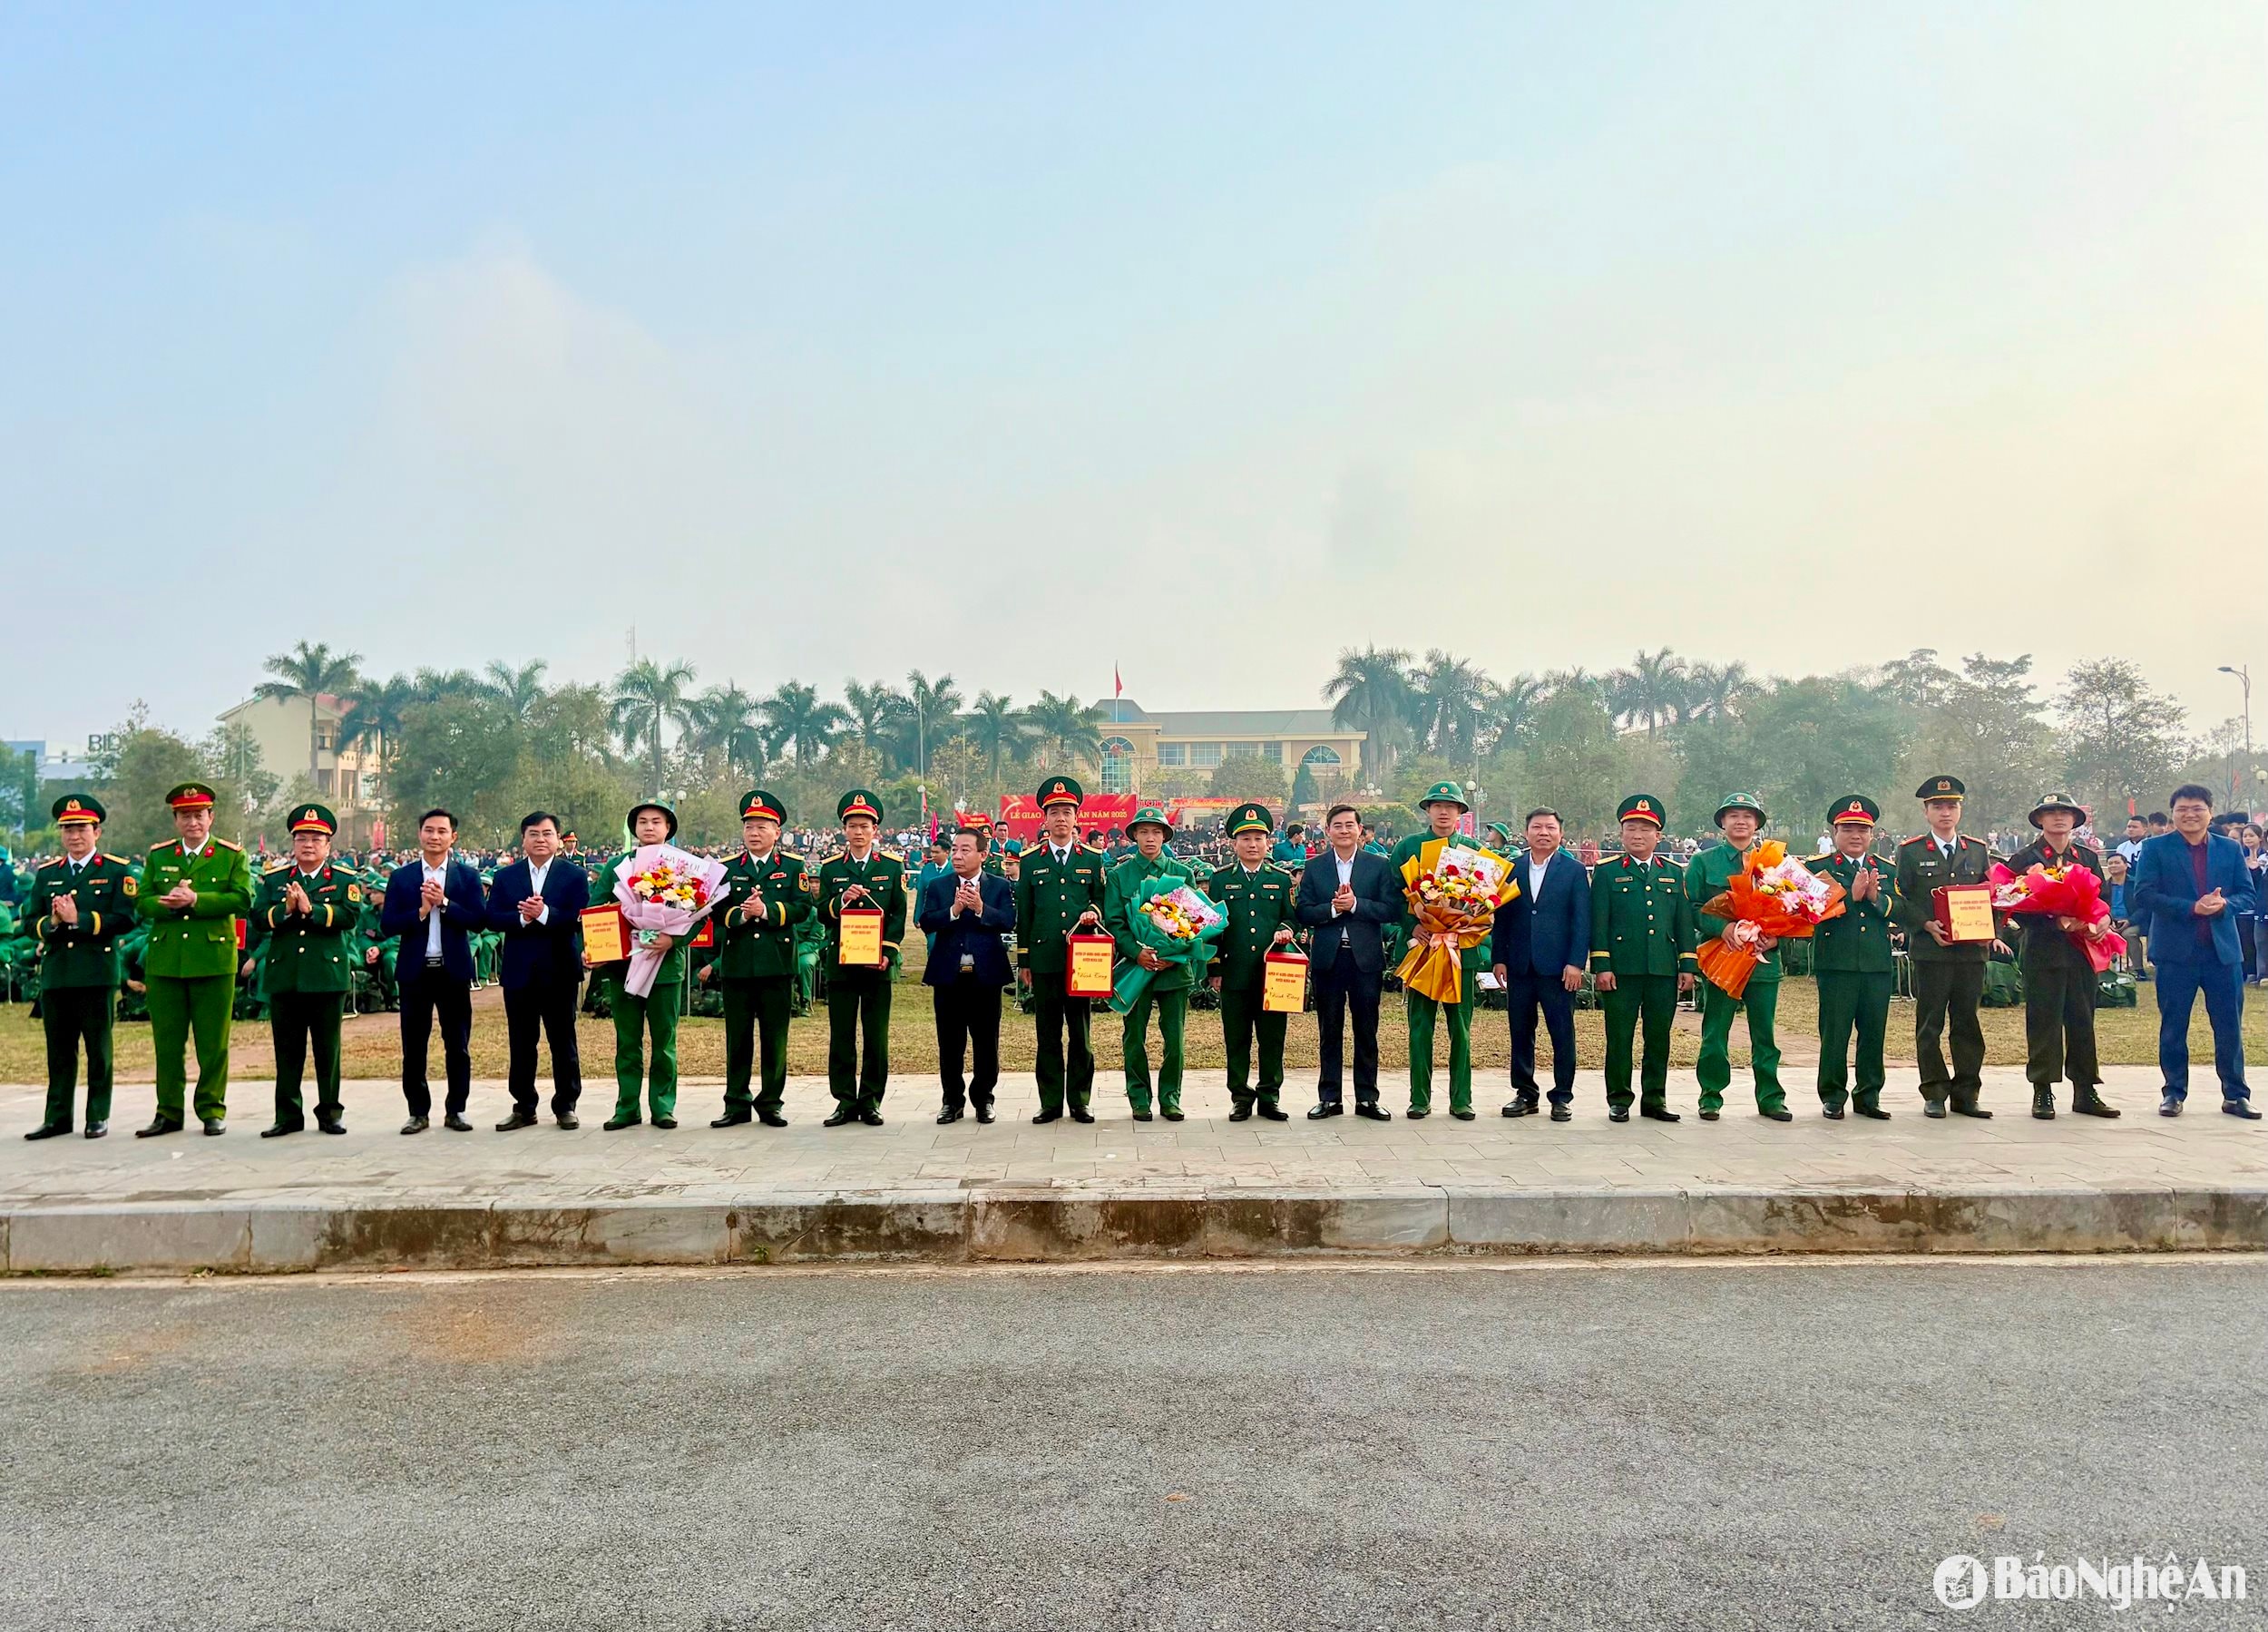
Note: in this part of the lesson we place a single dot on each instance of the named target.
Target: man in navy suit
(536, 904)
(434, 906)
(965, 913)
(1542, 941)
(1346, 894)
(2189, 888)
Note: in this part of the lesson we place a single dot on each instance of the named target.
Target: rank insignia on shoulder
(227, 844)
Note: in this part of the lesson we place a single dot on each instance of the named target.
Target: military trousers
(1173, 1015)
(1761, 1002)
(1851, 1002)
(1064, 1061)
(637, 1020)
(1647, 1002)
(1243, 1022)
(858, 1036)
(1946, 994)
(199, 1007)
(2059, 994)
(1419, 1012)
(756, 1039)
(302, 1021)
(76, 1018)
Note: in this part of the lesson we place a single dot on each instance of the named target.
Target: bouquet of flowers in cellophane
(2068, 892)
(1770, 896)
(1454, 902)
(664, 891)
(1174, 919)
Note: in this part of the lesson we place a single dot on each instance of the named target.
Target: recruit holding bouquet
(1454, 902)
(2072, 895)
(664, 891)
(1771, 897)
(1172, 919)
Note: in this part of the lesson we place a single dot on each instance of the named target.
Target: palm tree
(796, 716)
(1714, 689)
(374, 718)
(1515, 706)
(646, 699)
(1450, 698)
(515, 691)
(935, 702)
(1652, 690)
(1371, 692)
(728, 721)
(1065, 728)
(998, 730)
(444, 685)
(312, 672)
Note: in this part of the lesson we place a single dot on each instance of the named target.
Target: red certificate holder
(1087, 966)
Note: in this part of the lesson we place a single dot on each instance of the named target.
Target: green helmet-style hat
(1748, 802)
(1444, 793)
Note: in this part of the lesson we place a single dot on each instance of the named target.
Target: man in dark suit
(536, 904)
(965, 913)
(2190, 886)
(1346, 895)
(1542, 941)
(433, 907)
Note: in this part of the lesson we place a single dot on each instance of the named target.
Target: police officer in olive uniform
(638, 1083)
(1948, 975)
(1443, 805)
(1168, 989)
(309, 908)
(2059, 981)
(765, 901)
(1060, 887)
(1853, 962)
(860, 875)
(79, 905)
(1261, 900)
(1641, 958)
(191, 891)
(1707, 877)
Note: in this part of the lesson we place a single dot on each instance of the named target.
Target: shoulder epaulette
(788, 855)
(171, 843)
(896, 856)
(832, 855)
(120, 860)
(1916, 839)
(1095, 849)
(279, 867)
(58, 862)
(227, 844)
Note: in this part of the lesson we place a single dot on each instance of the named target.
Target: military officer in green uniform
(861, 875)
(1169, 989)
(1060, 888)
(191, 891)
(1444, 807)
(1853, 962)
(1641, 939)
(310, 908)
(1706, 876)
(78, 907)
(1260, 899)
(2059, 981)
(655, 1015)
(1948, 975)
(765, 901)
(978, 823)
(374, 948)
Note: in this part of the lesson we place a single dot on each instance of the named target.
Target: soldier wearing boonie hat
(1739, 818)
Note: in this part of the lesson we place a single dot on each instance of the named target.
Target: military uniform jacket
(1049, 897)
(1639, 921)
(756, 926)
(2042, 944)
(1856, 941)
(201, 940)
(1119, 890)
(1427, 849)
(1258, 904)
(1706, 875)
(673, 970)
(884, 875)
(1922, 868)
(316, 951)
(85, 954)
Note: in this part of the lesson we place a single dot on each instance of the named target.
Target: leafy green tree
(2120, 738)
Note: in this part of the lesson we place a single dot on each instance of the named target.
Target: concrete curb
(1011, 1224)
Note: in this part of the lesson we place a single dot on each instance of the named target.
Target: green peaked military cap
(1941, 787)
(1249, 819)
(313, 818)
(75, 809)
(1854, 808)
(859, 801)
(1060, 791)
(756, 802)
(190, 796)
(1641, 807)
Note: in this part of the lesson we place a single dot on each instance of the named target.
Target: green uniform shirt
(1921, 869)
(1638, 921)
(1258, 904)
(1120, 889)
(673, 970)
(2039, 942)
(1050, 894)
(315, 951)
(1857, 940)
(1706, 876)
(85, 954)
(756, 926)
(1427, 849)
(198, 941)
(883, 876)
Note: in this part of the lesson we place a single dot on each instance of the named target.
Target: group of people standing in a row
(1631, 924)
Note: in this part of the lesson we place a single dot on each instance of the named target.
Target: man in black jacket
(536, 904)
(1345, 897)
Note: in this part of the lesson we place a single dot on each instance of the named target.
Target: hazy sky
(1210, 337)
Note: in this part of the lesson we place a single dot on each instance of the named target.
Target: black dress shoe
(771, 1118)
(665, 1123)
(2087, 1102)
(983, 1113)
(456, 1123)
(1171, 1116)
(872, 1119)
(1521, 1108)
(1142, 1116)
(1935, 1108)
(1242, 1113)
(2236, 1107)
(1658, 1113)
(1872, 1113)
(947, 1117)
(843, 1115)
(1463, 1116)
(1708, 1116)
(330, 1124)
(415, 1125)
(280, 1128)
(614, 1124)
(1778, 1114)
(518, 1119)
(1834, 1113)
(1972, 1110)
(1079, 1115)
(1560, 1113)
(2170, 1106)
(1321, 1111)
(49, 1130)
(1620, 1113)
(215, 1128)
(734, 1119)
(2044, 1103)
(95, 1130)
(568, 1118)
(1045, 1117)
(1374, 1113)
(1418, 1113)
(1270, 1112)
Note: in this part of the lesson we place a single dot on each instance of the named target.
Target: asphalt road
(1404, 1446)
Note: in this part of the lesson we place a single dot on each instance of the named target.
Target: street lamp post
(2245, 679)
